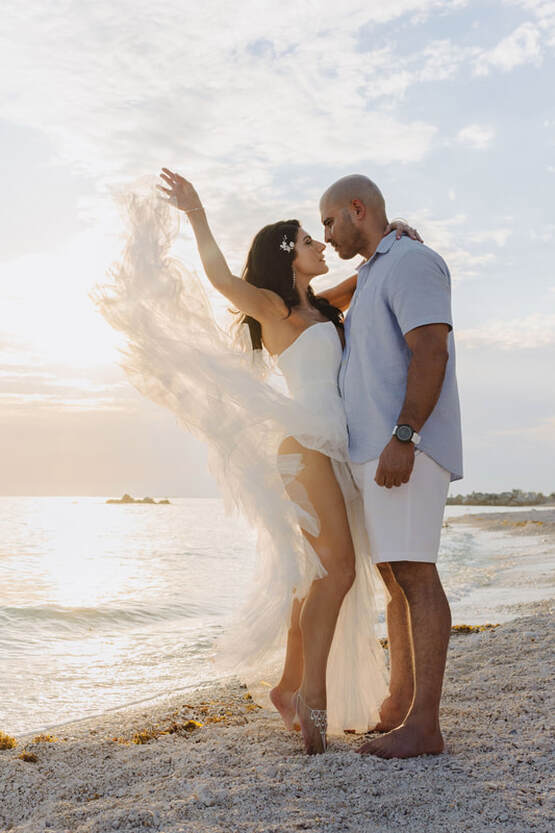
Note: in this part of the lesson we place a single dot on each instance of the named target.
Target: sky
(448, 106)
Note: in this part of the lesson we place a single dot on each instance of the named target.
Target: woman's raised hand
(402, 228)
(180, 192)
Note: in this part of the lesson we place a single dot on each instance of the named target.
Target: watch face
(404, 433)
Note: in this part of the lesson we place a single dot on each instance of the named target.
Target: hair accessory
(287, 245)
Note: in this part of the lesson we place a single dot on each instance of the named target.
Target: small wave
(70, 619)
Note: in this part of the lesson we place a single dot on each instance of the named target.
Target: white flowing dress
(178, 356)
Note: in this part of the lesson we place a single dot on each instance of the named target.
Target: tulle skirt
(179, 357)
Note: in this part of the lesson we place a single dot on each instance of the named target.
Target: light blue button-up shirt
(402, 286)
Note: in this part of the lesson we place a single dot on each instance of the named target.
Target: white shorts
(404, 522)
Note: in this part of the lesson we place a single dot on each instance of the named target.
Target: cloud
(123, 86)
(34, 403)
(478, 136)
(544, 233)
(394, 73)
(25, 389)
(531, 332)
(542, 10)
(460, 248)
(520, 47)
(499, 236)
(120, 89)
(245, 109)
(544, 430)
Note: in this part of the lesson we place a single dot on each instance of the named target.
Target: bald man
(398, 383)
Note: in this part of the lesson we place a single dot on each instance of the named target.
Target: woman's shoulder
(280, 333)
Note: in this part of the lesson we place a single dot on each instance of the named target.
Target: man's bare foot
(284, 702)
(313, 723)
(392, 714)
(407, 741)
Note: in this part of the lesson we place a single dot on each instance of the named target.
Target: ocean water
(103, 605)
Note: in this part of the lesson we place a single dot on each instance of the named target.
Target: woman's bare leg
(320, 610)
(282, 696)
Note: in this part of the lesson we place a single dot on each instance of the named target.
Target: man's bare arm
(428, 346)
(426, 373)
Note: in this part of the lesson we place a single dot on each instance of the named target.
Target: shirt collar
(382, 248)
(386, 243)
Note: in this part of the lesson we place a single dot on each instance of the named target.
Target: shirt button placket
(348, 356)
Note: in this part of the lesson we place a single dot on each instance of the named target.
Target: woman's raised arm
(258, 303)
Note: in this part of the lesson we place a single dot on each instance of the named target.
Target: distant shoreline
(456, 500)
(516, 497)
(528, 522)
(127, 499)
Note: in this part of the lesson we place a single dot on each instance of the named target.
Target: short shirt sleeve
(419, 291)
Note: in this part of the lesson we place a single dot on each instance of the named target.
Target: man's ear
(359, 209)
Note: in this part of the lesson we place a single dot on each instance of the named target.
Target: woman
(313, 576)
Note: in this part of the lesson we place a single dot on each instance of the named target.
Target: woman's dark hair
(269, 266)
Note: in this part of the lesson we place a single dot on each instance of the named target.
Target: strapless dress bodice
(310, 365)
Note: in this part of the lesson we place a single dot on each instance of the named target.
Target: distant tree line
(516, 497)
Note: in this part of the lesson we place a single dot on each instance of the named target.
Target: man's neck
(371, 244)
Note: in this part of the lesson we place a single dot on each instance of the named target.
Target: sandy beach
(527, 522)
(211, 760)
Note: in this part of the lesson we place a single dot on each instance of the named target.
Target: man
(398, 383)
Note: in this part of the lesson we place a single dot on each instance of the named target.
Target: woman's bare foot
(313, 722)
(284, 702)
(407, 741)
(392, 714)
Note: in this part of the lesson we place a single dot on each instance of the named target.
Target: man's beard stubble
(354, 240)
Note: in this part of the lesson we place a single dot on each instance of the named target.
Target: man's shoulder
(406, 248)
(406, 254)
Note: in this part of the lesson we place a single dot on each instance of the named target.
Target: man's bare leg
(282, 696)
(430, 620)
(396, 706)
